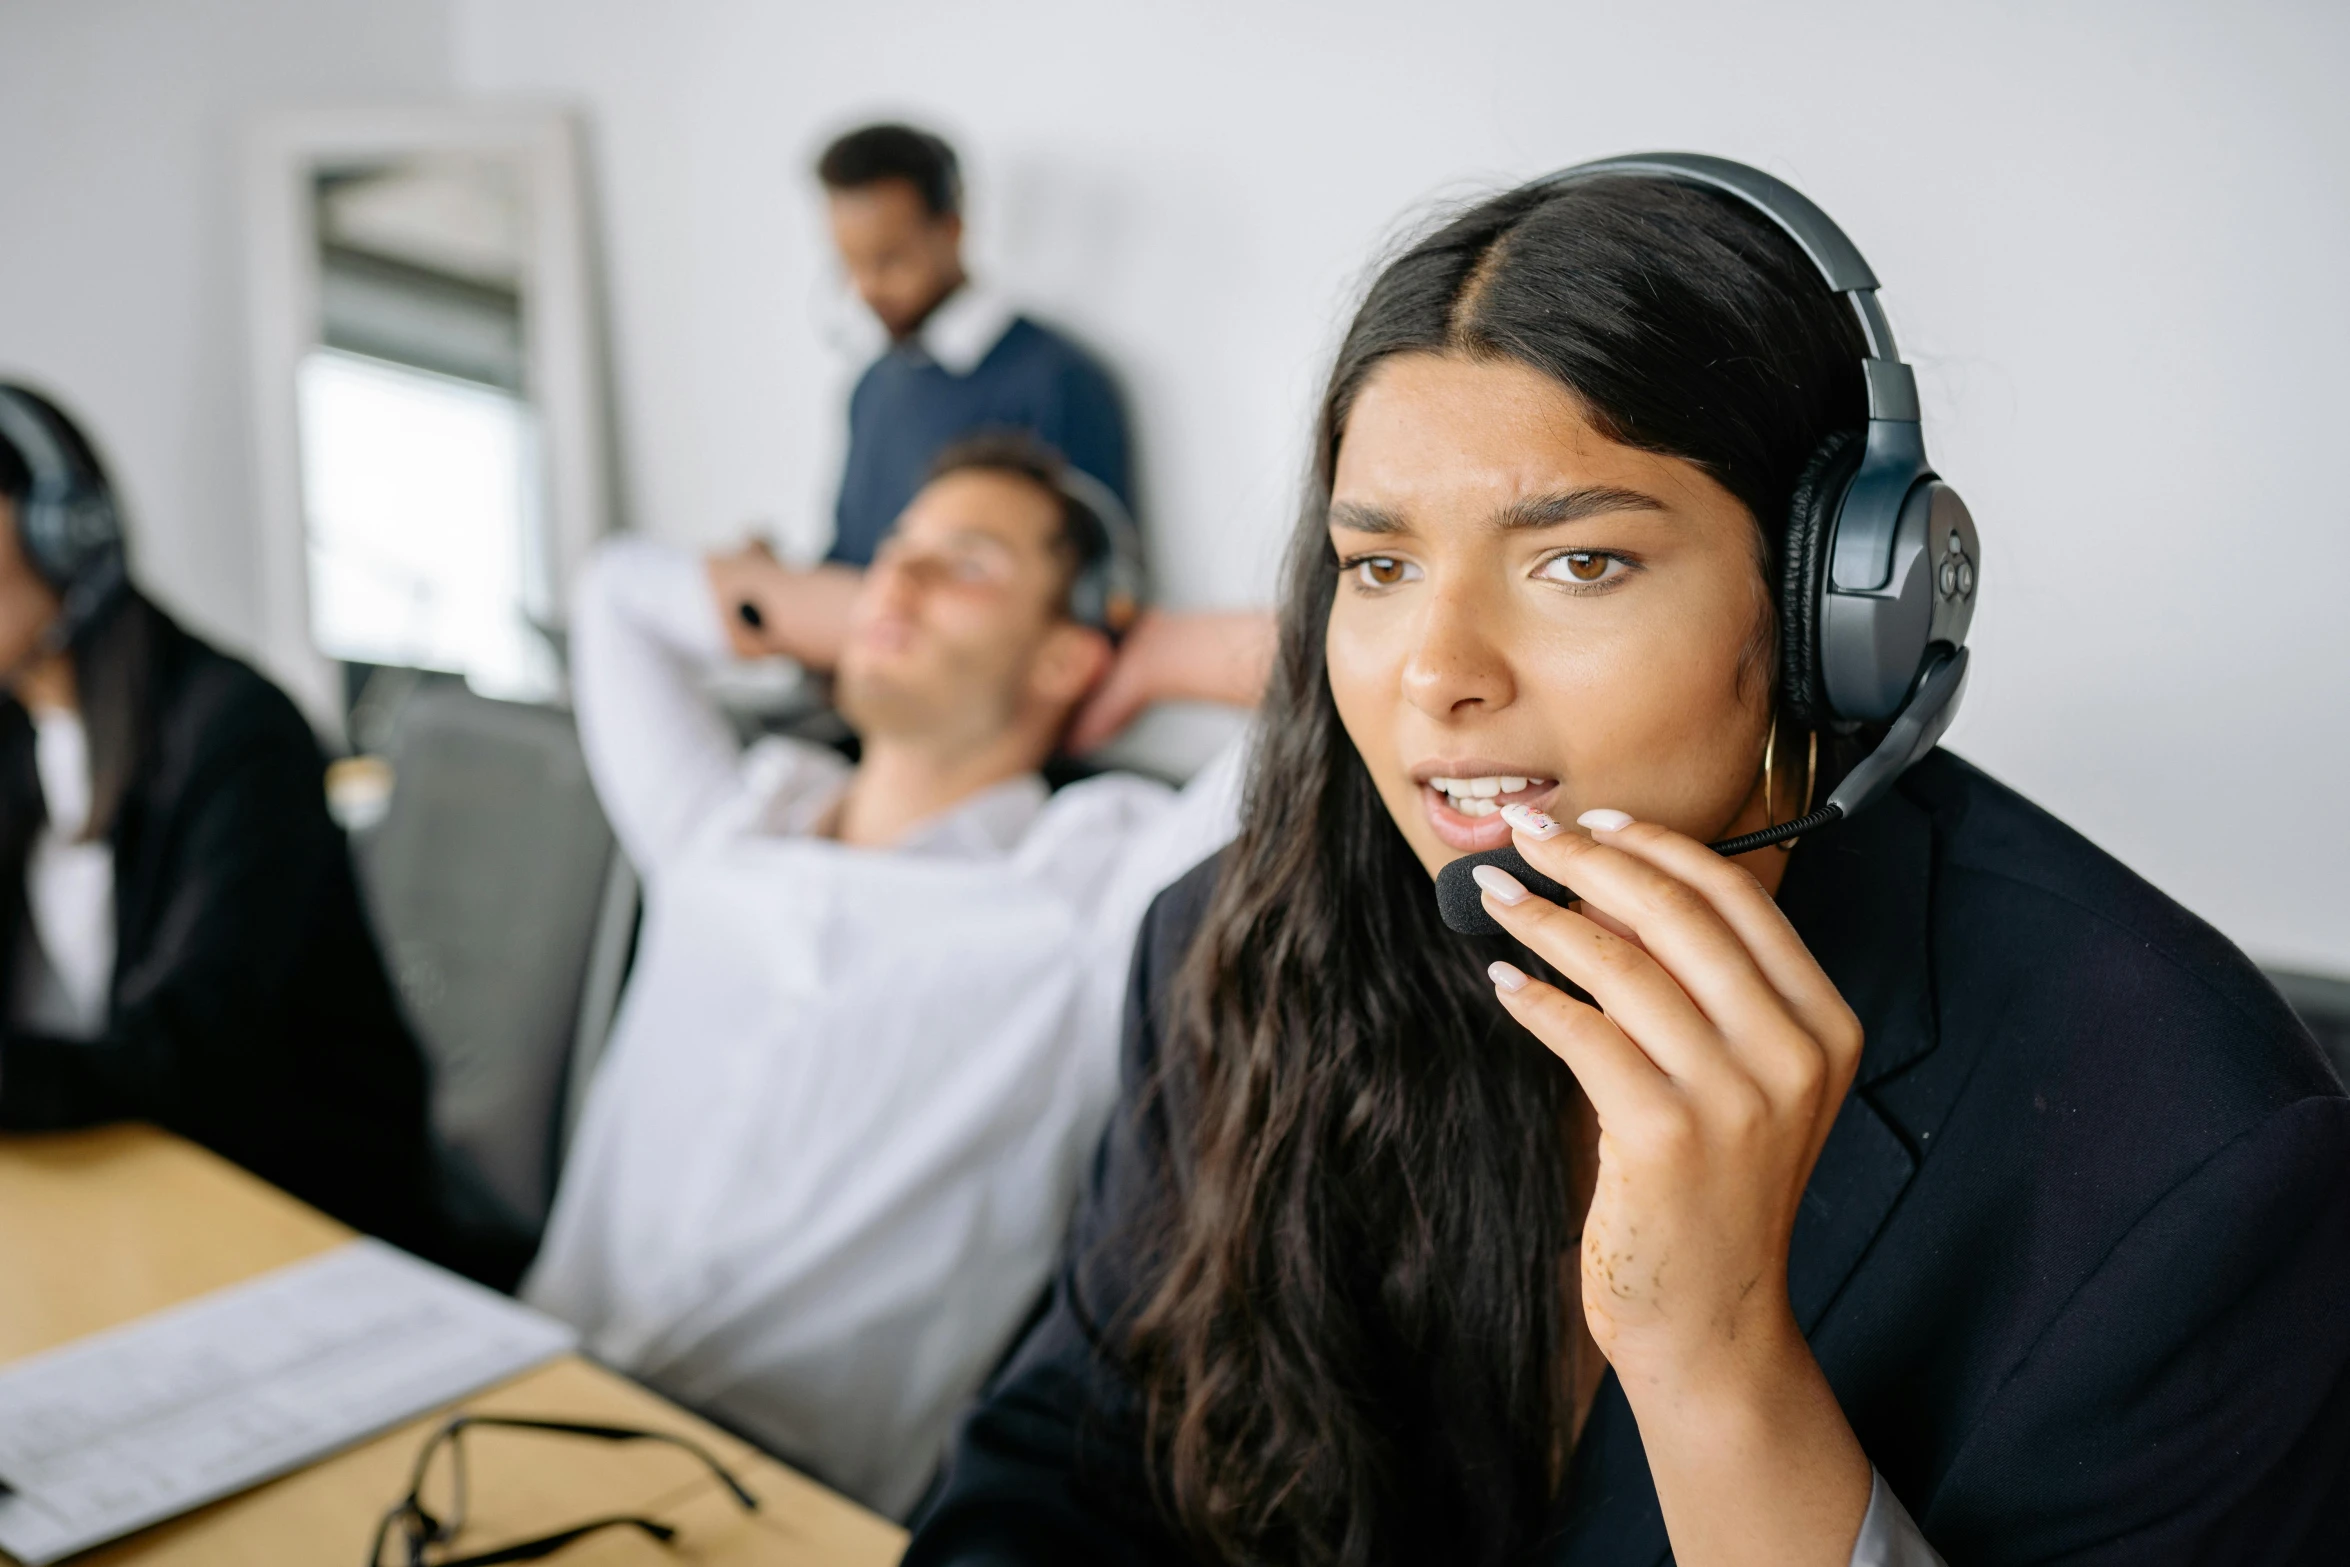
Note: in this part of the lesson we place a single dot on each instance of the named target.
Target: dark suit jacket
(2076, 1257)
(249, 1010)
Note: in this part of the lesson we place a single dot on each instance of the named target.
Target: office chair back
(496, 887)
(2323, 1004)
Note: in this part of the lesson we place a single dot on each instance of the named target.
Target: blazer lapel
(1859, 898)
(1608, 1514)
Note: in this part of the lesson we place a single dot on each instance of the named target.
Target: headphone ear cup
(1803, 563)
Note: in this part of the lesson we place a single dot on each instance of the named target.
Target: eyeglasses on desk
(431, 1516)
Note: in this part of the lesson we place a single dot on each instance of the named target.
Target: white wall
(2112, 236)
(121, 256)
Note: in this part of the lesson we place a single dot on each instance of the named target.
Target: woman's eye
(1383, 571)
(1583, 567)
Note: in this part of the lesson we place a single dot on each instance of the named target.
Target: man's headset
(1109, 590)
(67, 523)
(1877, 580)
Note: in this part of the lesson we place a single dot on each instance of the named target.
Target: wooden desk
(98, 1228)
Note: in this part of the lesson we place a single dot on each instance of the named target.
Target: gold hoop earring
(1771, 774)
(1811, 778)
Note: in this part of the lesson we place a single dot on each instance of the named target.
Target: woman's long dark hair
(1355, 1348)
(111, 661)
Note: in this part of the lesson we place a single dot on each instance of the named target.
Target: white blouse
(65, 963)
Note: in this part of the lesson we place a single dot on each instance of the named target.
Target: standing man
(960, 360)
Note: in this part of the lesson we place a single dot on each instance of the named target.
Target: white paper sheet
(125, 1428)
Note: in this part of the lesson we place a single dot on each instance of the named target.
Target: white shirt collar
(989, 823)
(958, 333)
(792, 788)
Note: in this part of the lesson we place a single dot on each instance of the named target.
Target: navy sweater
(907, 408)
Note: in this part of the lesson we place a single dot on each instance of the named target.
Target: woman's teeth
(1478, 796)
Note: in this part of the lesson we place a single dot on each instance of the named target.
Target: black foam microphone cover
(1461, 901)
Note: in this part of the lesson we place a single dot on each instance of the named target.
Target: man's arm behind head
(1216, 656)
(770, 610)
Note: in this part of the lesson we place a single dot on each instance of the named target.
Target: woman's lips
(1476, 834)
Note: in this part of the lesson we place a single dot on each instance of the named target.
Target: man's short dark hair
(875, 153)
(1083, 540)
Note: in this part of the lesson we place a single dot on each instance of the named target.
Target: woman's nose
(1455, 665)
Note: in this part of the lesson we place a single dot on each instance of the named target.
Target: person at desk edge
(182, 931)
(960, 361)
(1937, 1186)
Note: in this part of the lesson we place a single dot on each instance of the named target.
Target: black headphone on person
(1109, 591)
(67, 523)
(1877, 581)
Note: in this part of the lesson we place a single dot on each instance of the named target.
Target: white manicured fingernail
(1507, 975)
(1531, 822)
(1499, 884)
(1604, 821)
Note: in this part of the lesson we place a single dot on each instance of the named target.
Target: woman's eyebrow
(1548, 511)
(1535, 511)
(1363, 517)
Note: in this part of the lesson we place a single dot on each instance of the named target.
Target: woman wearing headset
(181, 933)
(1939, 1161)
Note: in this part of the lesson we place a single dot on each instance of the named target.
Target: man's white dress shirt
(828, 1159)
(956, 335)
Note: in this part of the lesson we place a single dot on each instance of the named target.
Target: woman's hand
(1716, 1057)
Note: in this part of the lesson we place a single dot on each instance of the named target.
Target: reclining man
(871, 1034)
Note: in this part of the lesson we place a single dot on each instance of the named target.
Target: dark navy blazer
(2076, 1257)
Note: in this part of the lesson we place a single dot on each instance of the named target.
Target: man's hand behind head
(769, 610)
(1208, 657)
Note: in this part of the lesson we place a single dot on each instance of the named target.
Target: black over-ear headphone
(67, 523)
(1878, 577)
(1110, 590)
